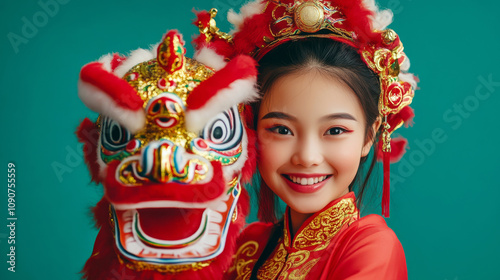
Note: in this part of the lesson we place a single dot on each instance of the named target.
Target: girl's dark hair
(328, 57)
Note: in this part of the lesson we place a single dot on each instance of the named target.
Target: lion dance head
(172, 149)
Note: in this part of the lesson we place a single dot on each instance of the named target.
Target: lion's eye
(224, 131)
(114, 136)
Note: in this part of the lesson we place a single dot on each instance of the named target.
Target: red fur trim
(103, 256)
(243, 206)
(357, 20)
(222, 47)
(404, 116)
(118, 193)
(252, 32)
(251, 162)
(407, 115)
(248, 116)
(199, 41)
(398, 149)
(118, 90)
(240, 67)
(266, 210)
(202, 18)
(88, 134)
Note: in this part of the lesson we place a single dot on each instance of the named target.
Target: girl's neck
(296, 221)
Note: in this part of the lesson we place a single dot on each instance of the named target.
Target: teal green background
(445, 192)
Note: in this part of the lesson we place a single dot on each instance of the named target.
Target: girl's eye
(335, 131)
(280, 129)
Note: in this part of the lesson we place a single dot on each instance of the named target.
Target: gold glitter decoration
(165, 268)
(180, 83)
(165, 56)
(183, 82)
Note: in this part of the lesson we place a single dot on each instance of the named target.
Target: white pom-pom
(210, 58)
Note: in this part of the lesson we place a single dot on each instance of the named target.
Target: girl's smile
(306, 183)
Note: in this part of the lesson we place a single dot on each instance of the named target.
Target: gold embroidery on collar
(244, 262)
(272, 267)
(324, 226)
(318, 232)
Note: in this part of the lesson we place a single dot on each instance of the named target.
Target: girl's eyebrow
(278, 115)
(345, 116)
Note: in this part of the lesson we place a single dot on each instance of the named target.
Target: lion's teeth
(127, 227)
(132, 246)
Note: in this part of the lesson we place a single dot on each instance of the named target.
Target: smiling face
(311, 132)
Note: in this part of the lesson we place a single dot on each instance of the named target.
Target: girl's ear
(371, 137)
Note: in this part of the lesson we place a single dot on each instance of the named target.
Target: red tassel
(404, 116)
(398, 149)
(387, 185)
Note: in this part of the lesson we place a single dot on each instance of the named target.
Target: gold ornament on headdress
(211, 30)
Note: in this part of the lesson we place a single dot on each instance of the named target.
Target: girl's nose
(308, 153)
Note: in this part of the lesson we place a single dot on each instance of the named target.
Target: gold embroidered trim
(243, 264)
(273, 266)
(315, 237)
(324, 226)
(166, 268)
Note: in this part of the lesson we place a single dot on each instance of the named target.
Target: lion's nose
(163, 161)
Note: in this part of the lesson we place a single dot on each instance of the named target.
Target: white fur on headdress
(98, 101)
(246, 11)
(382, 18)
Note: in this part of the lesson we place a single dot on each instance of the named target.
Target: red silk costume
(334, 243)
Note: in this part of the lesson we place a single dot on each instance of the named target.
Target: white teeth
(132, 246)
(127, 227)
(215, 217)
(307, 181)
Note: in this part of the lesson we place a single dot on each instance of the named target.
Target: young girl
(331, 87)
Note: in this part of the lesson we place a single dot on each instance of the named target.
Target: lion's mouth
(174, 232)
(159, 227)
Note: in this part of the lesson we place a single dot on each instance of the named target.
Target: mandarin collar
(318, 230)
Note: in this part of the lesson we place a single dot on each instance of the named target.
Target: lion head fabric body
(172, 149)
